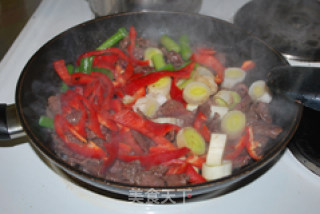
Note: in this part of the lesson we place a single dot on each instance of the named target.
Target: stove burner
(305, 145)
(292, 26)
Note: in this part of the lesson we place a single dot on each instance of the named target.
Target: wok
(38, 81)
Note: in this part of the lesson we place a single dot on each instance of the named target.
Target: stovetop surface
(30, 185)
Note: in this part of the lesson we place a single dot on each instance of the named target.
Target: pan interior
(38, 80)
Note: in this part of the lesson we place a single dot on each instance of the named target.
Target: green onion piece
(46, 122)
(186, 51)
(114, 39)
(104, 71)
(70, 68)
(86, 65)
(158, 61)
(169, 44)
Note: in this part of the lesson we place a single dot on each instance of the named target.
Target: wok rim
(101, 182)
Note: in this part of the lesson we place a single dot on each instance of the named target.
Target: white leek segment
(233, 123)
(221, 110)
(202, 74)
(191, 107)
(149, 104)
(216, 172)
(226, 98)
(162, 86)
(216, 149)
(149, 53)
(233, 76)
(223, 98)
(196, 93)
(191, 138)
(259, 91)
(171, 120)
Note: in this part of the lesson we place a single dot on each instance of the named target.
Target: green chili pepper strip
(169, 44)
(186, 51)
(46, 122)
(114, 39)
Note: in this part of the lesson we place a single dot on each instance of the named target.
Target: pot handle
(10, 127)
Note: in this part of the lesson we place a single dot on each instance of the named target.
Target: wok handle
(10, 127)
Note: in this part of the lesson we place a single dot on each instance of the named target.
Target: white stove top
(29, 185)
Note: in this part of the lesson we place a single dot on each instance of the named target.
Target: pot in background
(107, 7)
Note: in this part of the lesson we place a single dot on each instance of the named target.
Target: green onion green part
(46, 122)
(114, 39)
(169, 44)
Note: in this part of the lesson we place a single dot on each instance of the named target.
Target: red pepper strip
(90, 149)
(211, 62)
(160, 129)
(62, 71)
(172, 162)
(132, 38)
(116, 105)
(206, 51)
(113, 50)
(129, 139)
(128, 72)
(81, 78)
(177, 169)
(156, 158)
(124, 149)
(194, 176)
(253, 145)
(135, 76)
(108, 89)
(239, 146)
(140, 93)
(70, 100)
(200, 126)
(93, 123)
(247, 65)
(150, 78)
(196, 160)
(104, 118)
(110, 59)
(134, 121)
(155, 149)
(112, 149)
(176, 93)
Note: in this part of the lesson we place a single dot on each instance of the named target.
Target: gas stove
(30, 185)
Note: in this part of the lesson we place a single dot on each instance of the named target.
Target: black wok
(38, 81)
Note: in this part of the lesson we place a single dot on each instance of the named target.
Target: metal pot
(107, 7)
(38, 81)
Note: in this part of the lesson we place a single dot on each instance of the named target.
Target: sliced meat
(262, 110)
(54, 106)
(144, 142)
(172, 108)
(174, 58)
(123, 44)
(214, 123)
(244, 104)
(265, 129)
(176, 109)
(176, 180)
(241, 89)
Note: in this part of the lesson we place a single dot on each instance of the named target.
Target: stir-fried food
(158, 113)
